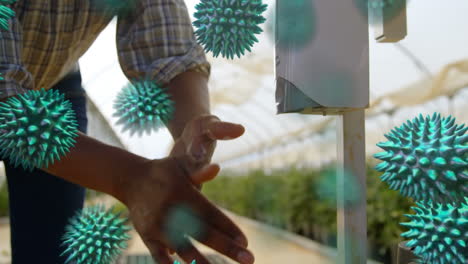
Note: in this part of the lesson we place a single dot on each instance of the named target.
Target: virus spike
(95, 235)
(435, 232)
(28, 133)
(426, 152)
(6, 13)
(228, 27)
(143, 107)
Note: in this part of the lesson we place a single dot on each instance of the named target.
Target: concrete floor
(4, 242)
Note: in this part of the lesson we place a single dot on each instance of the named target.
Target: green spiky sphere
(439, 234)
(427, 159)
(6, 13)
(143, 107)
(95, 236)
(228, 27)
(36, 128)
(177, 262)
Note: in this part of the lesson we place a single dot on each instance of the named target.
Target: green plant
(233, 196)
(4, 200)
(91, 194)
(120, 208)
(385, 209)
(289, 200)
(326, 188)
(297, 196)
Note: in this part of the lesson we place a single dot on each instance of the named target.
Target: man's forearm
(189, 91)
(98, 166)
(102, 167)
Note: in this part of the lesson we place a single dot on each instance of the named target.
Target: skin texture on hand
(194, 149)
(152, 188)
(163, 186)
(192, 125)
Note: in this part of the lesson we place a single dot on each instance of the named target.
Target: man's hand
(194, 149)
(163, 186)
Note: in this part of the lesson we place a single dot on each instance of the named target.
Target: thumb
(207, 173)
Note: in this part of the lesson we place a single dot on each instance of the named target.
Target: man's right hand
(160, 188)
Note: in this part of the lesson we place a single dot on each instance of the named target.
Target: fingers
(159, 252)
(201, 148)
(200, 139)
(218, 130)
(206, 174)
(190, 253)
(217, 219)
(227, 246)
(219, 233)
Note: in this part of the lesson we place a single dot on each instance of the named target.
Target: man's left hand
(195, 147)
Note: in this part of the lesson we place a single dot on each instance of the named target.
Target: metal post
(351, 222)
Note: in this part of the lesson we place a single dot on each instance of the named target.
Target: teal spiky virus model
(95, 236)
(427, 159)
(193, 262)
(36, 128)
(439, 234)
(6, 13)
(143, 107)
(228, 27)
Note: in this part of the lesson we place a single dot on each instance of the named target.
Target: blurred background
(270, 175)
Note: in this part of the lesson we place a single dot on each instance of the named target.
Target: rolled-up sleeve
(156, 41)
(15, 77)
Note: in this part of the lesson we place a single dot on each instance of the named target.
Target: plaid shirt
(46, 38)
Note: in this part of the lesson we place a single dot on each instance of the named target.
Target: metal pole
(351, 222)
